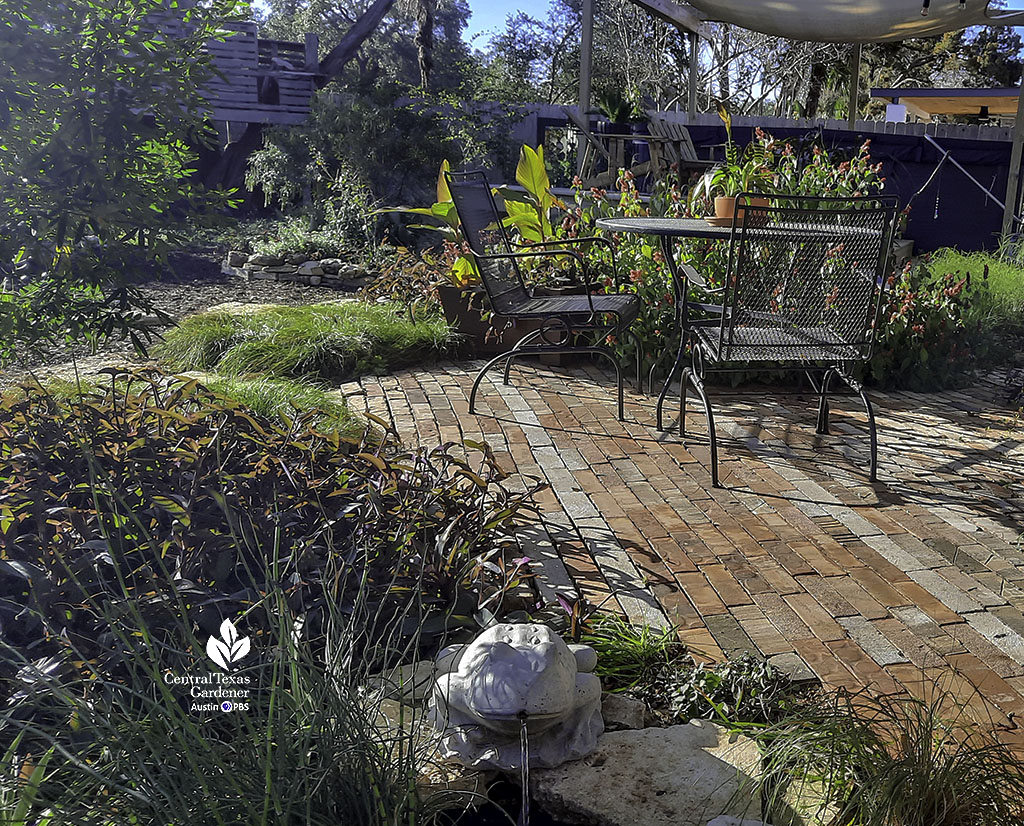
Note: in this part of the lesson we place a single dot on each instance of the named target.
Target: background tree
(100, 108)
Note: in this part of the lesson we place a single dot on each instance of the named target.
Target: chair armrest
(585, 239)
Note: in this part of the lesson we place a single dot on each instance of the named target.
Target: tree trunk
(425, 40)
(724, 87)
(814, 86)
(336, 59)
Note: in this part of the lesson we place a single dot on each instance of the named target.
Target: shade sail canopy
(855, 21)
(927, 102)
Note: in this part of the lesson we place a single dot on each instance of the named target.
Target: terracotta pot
(463, 309)
(725, 208)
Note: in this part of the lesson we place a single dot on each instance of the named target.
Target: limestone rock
(310, 268)
(237, 258)
(315, 280)
(262, 260)
(804, 803)
(460, 786)
(331, 265)
(296, 259)
(678, 776)
(622, 712)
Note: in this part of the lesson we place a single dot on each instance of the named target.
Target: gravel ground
(193, 284)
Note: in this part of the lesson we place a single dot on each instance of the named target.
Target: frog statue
(509, 674)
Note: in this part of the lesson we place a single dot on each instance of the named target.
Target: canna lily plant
(528, 213)
(442, 218)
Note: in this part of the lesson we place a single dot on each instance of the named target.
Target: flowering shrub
(638, 258)
(790, 169)
(930, 334)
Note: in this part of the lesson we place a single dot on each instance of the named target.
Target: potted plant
(744, 170)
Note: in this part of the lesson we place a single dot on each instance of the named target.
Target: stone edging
(298, 269)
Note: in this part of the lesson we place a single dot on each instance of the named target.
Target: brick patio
(916, 579)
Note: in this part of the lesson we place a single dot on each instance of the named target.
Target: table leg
(679, 290)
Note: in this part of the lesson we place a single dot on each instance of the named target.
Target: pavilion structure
(835, 21)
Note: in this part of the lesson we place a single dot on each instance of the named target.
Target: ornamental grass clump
(300, 742)
(891, 761)
(339, 341)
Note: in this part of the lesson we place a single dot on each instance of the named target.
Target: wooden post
(312, 52)
(851, 118)
(691, 103)
(586, 59)
(1013, 178)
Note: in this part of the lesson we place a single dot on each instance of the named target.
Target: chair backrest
(483, 230)
(582, 123)
(676, 133)
(806, 276)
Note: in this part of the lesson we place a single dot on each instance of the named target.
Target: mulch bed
(193, 283)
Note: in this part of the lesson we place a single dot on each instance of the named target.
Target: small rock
(315, 280)
(331, 265)
(296, 258)
(262, 260)
(622, 712)
(677, 776)
(406, 683)
(262, 275)
(281, 269)
(310, 268)
(237, 258)
(351, 284)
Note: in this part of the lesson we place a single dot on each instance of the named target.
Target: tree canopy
(101, 109)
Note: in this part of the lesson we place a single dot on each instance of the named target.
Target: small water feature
(524, 771)
(517, 697)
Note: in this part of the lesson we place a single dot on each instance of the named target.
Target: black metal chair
(562, 318)
(803, 290)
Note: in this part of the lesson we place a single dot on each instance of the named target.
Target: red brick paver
(916, 579)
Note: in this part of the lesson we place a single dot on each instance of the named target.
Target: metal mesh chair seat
(625, 307)
(799, 344)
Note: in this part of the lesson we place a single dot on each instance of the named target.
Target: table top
(699, 228)
(675, 227)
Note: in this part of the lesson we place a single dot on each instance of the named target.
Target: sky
(489, 15)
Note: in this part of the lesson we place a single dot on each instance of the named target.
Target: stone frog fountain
(516, 683)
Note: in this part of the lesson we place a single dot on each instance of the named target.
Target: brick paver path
(891, 585)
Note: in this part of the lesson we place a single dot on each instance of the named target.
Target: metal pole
(1013, 178)
(851, 118)
(586, 59)
(691, 103)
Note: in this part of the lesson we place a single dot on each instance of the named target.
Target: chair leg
(654, 367)
(698, 385)
(518, 346)
(858, 388)
(682, 408)
(823, 409)
(479, 376)
(639, 360)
